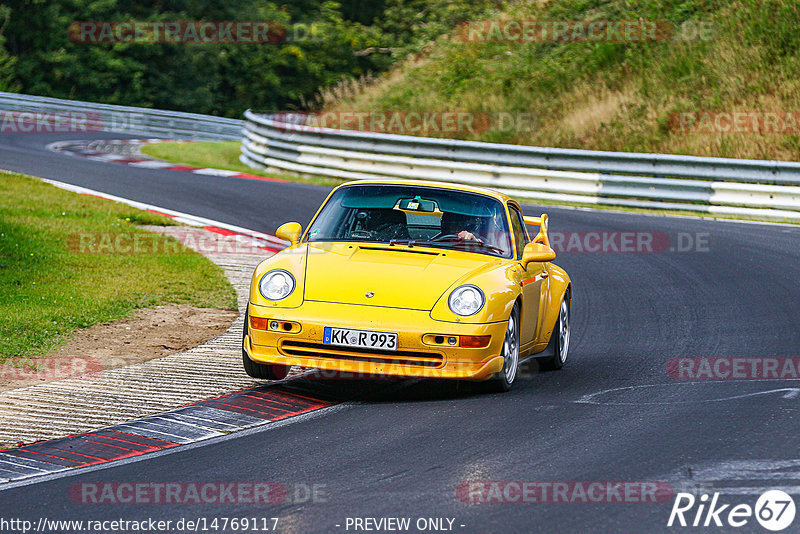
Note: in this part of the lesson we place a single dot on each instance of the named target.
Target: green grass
(619, 96)
(50, 288)
(220, 155)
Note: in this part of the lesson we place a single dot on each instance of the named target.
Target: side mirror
(537, 252)
(291, 232)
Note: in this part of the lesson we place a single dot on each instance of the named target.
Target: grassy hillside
(615, 95)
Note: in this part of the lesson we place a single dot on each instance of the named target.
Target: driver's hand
(467, 236)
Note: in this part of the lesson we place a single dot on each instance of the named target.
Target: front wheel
(265, 371)
(504, 380)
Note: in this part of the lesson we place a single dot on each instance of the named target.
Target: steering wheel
(443, 237)
(361, 234)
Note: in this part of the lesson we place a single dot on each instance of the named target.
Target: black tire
(559, 340)
(504, 380)
(264, 371)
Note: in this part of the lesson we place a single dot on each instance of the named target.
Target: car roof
(440, 185)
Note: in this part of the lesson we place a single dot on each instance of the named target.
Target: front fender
(559, 283)
(500, 289)
(292, 259)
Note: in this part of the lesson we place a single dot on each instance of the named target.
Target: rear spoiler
(541, 222)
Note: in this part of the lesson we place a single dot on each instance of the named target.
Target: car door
(531, 280)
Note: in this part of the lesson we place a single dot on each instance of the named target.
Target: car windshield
(414, 216)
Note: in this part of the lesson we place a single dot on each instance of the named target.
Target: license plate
(360, 338)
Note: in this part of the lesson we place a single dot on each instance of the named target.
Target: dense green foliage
(325, 43)
(6, 61)
(717, 55)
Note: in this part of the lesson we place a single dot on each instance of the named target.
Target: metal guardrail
(769, 189)
(88, 116)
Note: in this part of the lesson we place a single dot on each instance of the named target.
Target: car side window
(518, 228)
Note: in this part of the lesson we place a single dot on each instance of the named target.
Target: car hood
(397, 277)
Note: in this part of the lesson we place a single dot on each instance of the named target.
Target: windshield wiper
(437, 243)
(409, 242)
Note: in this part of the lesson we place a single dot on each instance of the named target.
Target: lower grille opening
(356, 354)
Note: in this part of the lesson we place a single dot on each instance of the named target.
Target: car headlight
(466, 300)
(276, 285)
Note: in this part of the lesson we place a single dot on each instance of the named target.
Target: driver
(462, 226)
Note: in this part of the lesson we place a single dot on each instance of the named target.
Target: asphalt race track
(406, 451)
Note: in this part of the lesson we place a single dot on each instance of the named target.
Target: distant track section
(752, 188)
(39, 114)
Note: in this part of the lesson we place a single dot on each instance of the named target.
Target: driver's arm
(467, 236)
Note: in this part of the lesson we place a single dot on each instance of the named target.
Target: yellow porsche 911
(410, 279)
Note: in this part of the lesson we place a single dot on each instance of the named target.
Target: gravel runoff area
(61, 407)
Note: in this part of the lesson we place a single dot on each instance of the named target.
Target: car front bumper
(298, 341)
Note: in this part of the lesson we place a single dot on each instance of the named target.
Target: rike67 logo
(774, 510)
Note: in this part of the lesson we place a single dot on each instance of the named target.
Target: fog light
(274, 325)
(452, 340)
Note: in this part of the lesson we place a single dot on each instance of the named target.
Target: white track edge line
(201, 221)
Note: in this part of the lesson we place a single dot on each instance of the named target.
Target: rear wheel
(504, 380)
(561, 339)
(265, 371)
